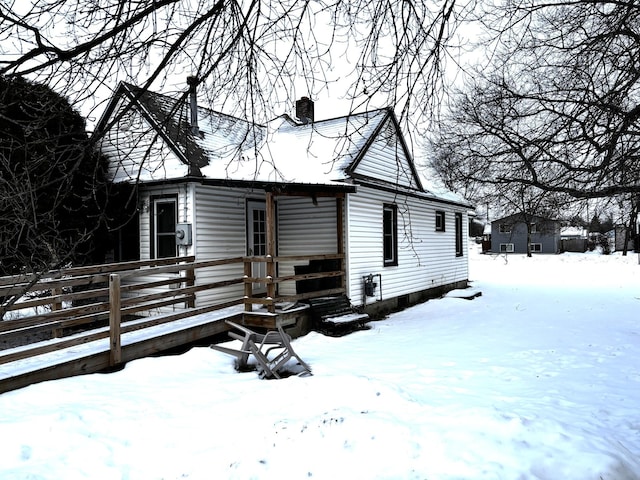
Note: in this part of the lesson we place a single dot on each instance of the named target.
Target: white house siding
(137, 152)
(221, 233)
(385, 160)
(185, 214)
(304, 228)
(426, 258)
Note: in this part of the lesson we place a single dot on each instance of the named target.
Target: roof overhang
(291, 189)
(420, 194)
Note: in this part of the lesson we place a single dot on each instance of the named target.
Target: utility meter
(183, 234)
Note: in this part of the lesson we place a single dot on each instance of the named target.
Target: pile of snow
(537, 378)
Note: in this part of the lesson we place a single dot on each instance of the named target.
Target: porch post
(340, 235)
(271, 248)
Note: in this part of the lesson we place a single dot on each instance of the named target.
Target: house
(510, 234)
(317, 207)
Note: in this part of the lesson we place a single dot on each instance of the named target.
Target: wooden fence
(74, 302)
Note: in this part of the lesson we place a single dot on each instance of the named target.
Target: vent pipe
(193, 104)
(304, 110)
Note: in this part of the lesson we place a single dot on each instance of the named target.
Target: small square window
(505, 228)
(439, 221)
(536, 247)
(506, 247)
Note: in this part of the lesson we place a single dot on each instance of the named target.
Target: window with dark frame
(506, 247)
(504, 228)
(390, 234)
(163, 227)
(459, 249)
(536, 247)
(439, 221)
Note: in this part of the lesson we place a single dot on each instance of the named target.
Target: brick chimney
(304, 110)
(193, 104)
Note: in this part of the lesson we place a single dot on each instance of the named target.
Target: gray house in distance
(509, 234)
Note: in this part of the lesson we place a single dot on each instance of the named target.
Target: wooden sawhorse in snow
(261, 346)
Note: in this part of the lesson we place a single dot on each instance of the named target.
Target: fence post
(271, 286)
(190, 281)
(248, 287)
(56, 305)
(115, 350)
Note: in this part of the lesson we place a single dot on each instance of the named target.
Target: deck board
(93, 356)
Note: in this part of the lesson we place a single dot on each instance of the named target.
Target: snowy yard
(539, 378)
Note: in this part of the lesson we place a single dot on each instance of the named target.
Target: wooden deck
(86, 320)
(94, 356)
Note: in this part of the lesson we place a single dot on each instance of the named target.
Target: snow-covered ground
(539, 378)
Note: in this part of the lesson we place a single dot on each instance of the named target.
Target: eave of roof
(274, 187)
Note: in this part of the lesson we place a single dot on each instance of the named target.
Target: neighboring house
(344, 191)
(509, 235)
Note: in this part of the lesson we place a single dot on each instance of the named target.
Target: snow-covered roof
(226, 148)
(289, 152)
(577, 232)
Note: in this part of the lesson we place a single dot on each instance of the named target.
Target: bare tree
(558, 108)
(249, 56)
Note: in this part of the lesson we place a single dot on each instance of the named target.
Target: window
(439, 221)
(506, 247)
(163, 227)
(534, 228)
(536, 247)
(504, 228)
(390, 234)
(459, 251)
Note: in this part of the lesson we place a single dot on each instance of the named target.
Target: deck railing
(272, 280)
(70, 304)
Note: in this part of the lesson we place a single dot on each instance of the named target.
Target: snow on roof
(317, 153)
(282, 151)
(573, 232)
(438, 190)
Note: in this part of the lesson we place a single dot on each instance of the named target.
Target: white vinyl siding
(184, 214)
(304, 228)
(137, 153)
(425, 258)
(386, 160)
(220, 234)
